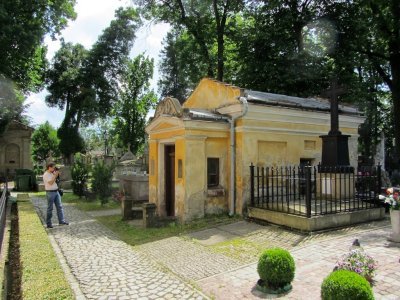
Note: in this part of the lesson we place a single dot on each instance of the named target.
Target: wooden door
(170, 180)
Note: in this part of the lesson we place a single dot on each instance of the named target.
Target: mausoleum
(15, 148)
(200, 152)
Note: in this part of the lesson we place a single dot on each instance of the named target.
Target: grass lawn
(81, 203)
(42, 275)
(240, 249)
(135, 235)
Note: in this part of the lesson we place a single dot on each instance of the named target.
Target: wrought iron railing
(312, 190)
(3, 207)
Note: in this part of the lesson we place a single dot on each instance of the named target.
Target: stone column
(126, 208)
(149, 215)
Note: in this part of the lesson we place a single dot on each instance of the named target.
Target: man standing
(53, 197)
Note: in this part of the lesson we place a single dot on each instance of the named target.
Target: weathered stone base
(319, 222)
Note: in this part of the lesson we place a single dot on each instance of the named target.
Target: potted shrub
(276, 269)
(344, 285)
(392, 199)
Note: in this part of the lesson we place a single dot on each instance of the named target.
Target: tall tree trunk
(220, 21)
(395, 69)
(195, 31)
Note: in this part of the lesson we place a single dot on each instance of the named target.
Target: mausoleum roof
(202, 114)
(320, 104)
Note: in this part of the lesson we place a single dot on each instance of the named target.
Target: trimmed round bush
(276, 268)
(344, 285)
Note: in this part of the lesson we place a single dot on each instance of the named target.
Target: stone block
(41, 187)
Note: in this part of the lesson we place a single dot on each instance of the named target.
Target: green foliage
(11, 103)
(102, 180)
(181, 66)
(276, 267)
(80, 175)
(99, 136)
(42, 275)
(23, 26)
(86, 82)
(344, 285)
(135, 101)
(70, 141)
(45, 143)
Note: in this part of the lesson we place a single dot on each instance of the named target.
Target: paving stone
(96, 255)
(91, 249)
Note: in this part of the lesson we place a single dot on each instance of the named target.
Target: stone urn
(395, 221)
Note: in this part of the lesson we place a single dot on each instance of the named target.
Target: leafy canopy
(44, 143)
(134, 103)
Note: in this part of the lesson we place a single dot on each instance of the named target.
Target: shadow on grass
(135, 235)
(81, 203)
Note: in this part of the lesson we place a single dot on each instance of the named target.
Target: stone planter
(395, 221)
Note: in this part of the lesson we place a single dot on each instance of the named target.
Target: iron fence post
(379, 183)
(307, 170)
(252, 184)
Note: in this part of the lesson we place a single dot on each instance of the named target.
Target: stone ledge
(319, 222)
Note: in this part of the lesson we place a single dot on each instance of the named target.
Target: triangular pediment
(168, 106)
(164, 123)
(15, 125)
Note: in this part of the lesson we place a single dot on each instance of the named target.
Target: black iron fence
(311, 190)
(3, 207)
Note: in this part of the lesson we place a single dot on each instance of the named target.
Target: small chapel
(200, 151)
(15, 148)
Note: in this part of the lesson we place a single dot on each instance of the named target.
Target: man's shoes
(64, 223)
(49, 226)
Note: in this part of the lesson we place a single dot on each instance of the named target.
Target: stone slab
(241, 228)
(212, 236)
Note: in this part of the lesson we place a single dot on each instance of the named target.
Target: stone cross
(333, 93)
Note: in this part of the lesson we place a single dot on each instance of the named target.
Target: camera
(56, 168)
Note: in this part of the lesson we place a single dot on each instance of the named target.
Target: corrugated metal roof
(295, 102)
(201, 114)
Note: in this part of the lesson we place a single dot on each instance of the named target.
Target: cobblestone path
(107, 268)
(315, 259)
(188, 259)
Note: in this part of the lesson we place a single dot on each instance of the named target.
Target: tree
(85, 83)
(102, 181)
(23, 26)
(181, 66)
(80, 175)
(11, 103)
(135, 101)
(99, 136)
(205, 20)
(44, 143)
(373, 39)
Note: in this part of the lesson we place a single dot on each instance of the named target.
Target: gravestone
(65, 177)
(335, 169)
(133, 184)
(335, 149)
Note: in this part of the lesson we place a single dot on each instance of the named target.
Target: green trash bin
(23, 182)
(20, 184)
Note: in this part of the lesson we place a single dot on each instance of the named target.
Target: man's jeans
(53, 197)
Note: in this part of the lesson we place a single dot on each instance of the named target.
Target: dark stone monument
(335, 149)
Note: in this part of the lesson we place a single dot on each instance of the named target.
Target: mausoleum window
(212, 172)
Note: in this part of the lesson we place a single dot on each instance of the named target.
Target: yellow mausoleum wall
(265, 135)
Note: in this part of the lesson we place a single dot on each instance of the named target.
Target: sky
(92, 18)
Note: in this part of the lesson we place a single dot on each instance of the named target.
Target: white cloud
(40, 112)
(93, 17)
